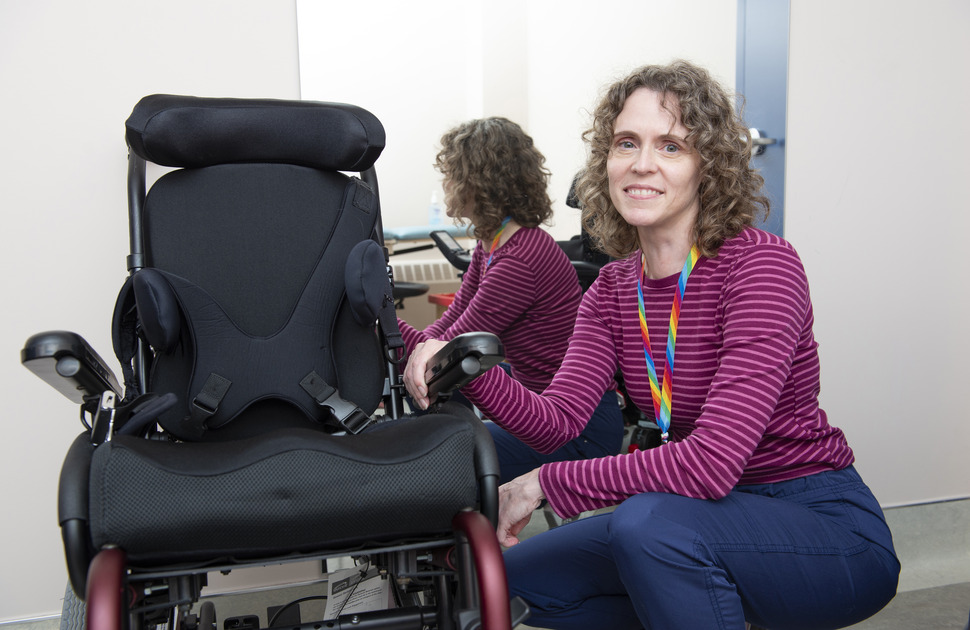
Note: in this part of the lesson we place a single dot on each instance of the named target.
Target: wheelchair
(259, 419)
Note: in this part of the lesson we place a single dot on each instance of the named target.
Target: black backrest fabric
(256, 238)
(248, 234)
(189, 131)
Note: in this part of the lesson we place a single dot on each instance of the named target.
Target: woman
(752, 510)
(519, 285)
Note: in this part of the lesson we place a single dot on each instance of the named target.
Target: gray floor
(939, 608)
(943, 607)
(932, 541)
(933, 544)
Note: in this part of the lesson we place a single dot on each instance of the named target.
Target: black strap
(387, 317)
(124, 336)
(134, 417)
(388, 320)
(347, 415)
(206, 403)
(393, 334)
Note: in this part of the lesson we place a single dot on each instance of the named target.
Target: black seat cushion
(291, 491)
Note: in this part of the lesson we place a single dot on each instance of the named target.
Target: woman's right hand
(416, 368)
(517, 500)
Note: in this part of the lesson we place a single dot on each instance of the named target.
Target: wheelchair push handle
(465, 357)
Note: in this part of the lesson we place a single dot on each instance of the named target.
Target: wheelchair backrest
(238, 257)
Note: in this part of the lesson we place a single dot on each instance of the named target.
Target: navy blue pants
(809, 553)
(602, 436)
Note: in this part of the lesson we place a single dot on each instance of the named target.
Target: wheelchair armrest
(459, 257)
(68, 364)
(72, 510)
(466, 356)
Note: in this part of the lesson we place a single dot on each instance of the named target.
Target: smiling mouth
(643, 193)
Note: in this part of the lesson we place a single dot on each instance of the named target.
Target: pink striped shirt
(745, 386)
(528, 297)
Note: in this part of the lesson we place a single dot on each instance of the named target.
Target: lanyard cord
(662, 397)
(498, 235)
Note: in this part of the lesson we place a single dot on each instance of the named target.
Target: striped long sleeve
(528, 296)
(745, 384)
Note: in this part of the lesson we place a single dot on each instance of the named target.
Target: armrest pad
(466, 356)
(453, 252)
(68, 364)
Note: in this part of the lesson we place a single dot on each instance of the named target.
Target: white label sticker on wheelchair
(355, 590)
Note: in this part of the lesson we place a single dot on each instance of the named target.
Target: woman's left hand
(517, 500)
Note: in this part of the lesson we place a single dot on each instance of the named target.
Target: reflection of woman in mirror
(520, 285)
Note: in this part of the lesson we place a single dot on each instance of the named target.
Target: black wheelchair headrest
(190, 131)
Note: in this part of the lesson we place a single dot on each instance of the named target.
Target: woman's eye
(624, 146)
(670, 147)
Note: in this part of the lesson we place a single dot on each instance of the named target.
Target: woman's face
(654, 174)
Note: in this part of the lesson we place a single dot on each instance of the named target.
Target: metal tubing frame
(136, 256)
(493, 588)
(106, 607)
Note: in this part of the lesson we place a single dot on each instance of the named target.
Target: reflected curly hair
(493, 166)
(730, 189)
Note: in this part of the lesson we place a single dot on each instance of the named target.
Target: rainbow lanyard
(498, 235)
(662, 398)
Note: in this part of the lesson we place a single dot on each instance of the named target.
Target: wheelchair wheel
(204, 620)
(207, 616)
(72, 612)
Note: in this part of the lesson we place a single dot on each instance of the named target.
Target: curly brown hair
(730, 188)
(493, 166)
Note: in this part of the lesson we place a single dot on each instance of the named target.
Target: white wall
(450, 62)
(877, 122)
(70, 73)
(876, 205)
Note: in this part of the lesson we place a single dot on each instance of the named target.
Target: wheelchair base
(426, 581)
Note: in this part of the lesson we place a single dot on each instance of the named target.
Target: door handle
(759, 141)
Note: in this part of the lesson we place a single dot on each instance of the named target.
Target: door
(762, 78)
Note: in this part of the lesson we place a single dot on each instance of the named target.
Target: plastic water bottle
(436, 210)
